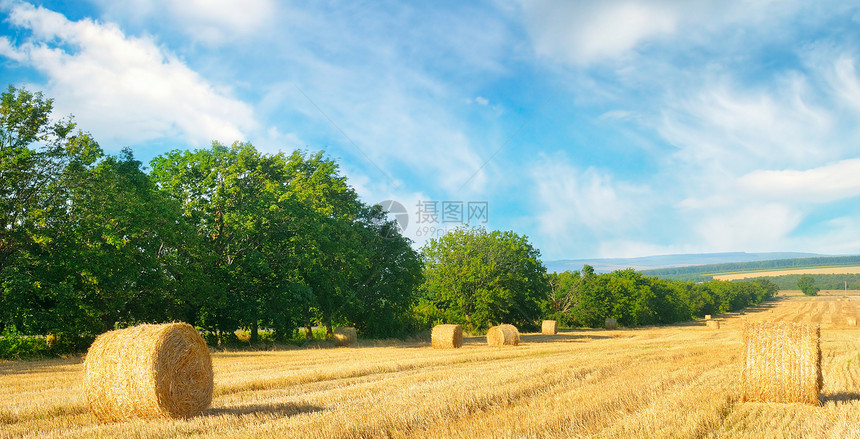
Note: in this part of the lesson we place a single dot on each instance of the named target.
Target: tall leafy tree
(40, 161)
(384, 291)
(111, 254)
(237, 199)
(481, 278)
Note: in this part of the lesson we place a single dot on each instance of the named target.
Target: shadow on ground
(284, 409)
(841, 397)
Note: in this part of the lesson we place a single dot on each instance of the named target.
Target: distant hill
(670, 261)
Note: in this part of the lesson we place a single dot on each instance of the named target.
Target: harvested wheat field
(679, 381)
(811, 270)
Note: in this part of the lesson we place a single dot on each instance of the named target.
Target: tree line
(849, 281)
(479, 278)
(224, 237)
(228, 237)
(585, 298)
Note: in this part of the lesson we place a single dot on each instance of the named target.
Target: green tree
(565, 290)
(236, 199)
(41, 161)
(384, 293)
(110, 254)
(807, 285)
(479, 278)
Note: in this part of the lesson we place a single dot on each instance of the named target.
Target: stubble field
(677, 381)
(771, 273)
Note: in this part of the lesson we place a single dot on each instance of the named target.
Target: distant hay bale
(713, 324)
(782, 362)
(852, 321)
(148, 371)
(344, 336)
(549, 327)
(446, 336)
(707, 317)
(503, 335)
(611, 323)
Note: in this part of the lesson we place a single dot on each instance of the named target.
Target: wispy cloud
(586, 32)
(207, 21)
(824, 184)
(387, 94)
(579, 208)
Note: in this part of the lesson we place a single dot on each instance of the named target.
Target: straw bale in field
(707, 317)
(782, 362)
(852, 321)
(446, 336)
(713, 324)
(503, 335)
(344, 336)
(548, 327)
(611, 323)
(148, 371)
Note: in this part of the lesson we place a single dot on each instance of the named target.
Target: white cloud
(576, 209)
(824, 184)
(840, 235)
(845, 82)
(210, 21)
(727, 128)
(759, 227)
(396, 99)
(124, 89)
(585, 32)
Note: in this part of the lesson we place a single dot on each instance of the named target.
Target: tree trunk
(309, 331)
(255, 336)
(329, 334)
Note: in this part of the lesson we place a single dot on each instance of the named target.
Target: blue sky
(597, 128)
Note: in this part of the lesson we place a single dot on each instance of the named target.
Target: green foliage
(806, 284)
(22, 347)
(223, 238)
(286, 242)
(479, 278)
(587, 299)
(823, 281)
(17, 346)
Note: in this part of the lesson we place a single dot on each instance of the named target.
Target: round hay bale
(707, 317)
(446, 336)
(611, 323)
(713, 324)
(782, 362)
(148, 371)
(548, 327)
(503, 335)
(344, 336)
